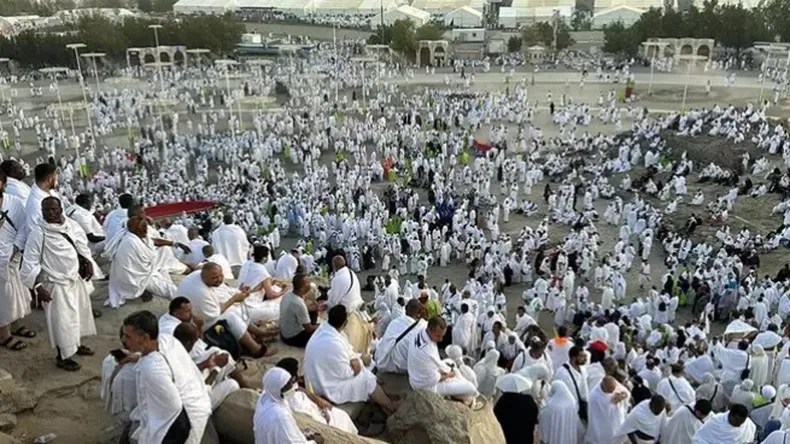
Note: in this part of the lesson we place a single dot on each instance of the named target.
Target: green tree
(581, 20)
(542, 33)
(145, 5)
(514, 44)
(403, 38)
(428, 31)
(619, 40)
(777, 17)
(163, 5)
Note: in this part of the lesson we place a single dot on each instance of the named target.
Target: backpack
(219, 336)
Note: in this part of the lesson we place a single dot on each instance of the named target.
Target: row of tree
(49, 7)
(402, 36)
(731, 25)
(220, 34)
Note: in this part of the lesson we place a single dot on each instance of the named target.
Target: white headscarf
(273, 421)
(487, 372)
(779, 407)
(558, 420)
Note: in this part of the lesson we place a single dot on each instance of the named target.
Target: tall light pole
(156, 27)
(93, 56)
(690, 59)
(227, 63)
(76, 48)
(657, 47)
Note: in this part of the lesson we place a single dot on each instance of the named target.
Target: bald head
(211, 274)
(608, 384)
(338, 262)
(187, 334)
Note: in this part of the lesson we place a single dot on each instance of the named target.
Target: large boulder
(6, 439)
(233, 421)
(427, 418)
(15, 398)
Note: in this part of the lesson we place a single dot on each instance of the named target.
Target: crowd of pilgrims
(400, 190)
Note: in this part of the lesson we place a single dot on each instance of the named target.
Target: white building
(625, 14)
(418, 16)
(464, 17)
(515, 17)
(469, 35)
(442, 7)
(208, 7)
(605, 5)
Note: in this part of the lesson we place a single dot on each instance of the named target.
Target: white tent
(625, 14)
(418, 16)
(603, 5)
(375, 6)
(464, 17)
(204, 6)
(444, 6)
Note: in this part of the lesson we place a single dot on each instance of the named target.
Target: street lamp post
(76, 48)
(93, 56)
(156, 27)
(658, 47)
(690, 59)
(227, 63)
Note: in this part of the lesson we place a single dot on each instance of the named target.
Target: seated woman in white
(274, 422)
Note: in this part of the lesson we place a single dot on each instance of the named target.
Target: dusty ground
(69, 404)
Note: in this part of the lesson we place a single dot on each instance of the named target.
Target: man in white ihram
(230, 241)
(392, 351)
(428, 372)
(14, 297)
(345, 290)
(169, 385)
(134, 271)
(50, 266)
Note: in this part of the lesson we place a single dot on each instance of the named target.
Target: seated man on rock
(392, 351)
(337, 373)
(217, 366)
(428, 372)
(215, 302)
(305, 402)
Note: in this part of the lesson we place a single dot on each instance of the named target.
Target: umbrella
(178, 208)
(739, 328)
(513, 383)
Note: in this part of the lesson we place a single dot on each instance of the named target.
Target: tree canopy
(33, 49)
(732, 26)
(402, 36)
(542, 33)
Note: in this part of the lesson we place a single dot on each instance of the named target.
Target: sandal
(13, 344)
(69, 365)
(24, 332)
(85, 351)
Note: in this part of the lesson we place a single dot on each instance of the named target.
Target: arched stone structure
(686, 46)
(432, 52)
(146, 56)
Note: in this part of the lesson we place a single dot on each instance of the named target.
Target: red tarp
(178, 208)
(482, 146)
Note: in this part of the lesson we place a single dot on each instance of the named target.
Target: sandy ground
(69, 404)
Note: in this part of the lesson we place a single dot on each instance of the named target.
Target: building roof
(466, 10)
(522, 4)
(207, 4)
(445, 6)
(619, 8)
(412, 11)
(600, 5)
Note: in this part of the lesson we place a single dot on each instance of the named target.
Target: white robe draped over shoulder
(47, 252)
(133, 270)
(14, 297)
(167, 381)
(231, 242)
(327, 368)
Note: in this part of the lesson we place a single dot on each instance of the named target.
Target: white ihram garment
(14, 297)
(425, 368)
(681, 426)
(231, 242)
(273, 422)
(206, 304)
(251, 275)
(47, 252)
(133, 270)
(393, 357)
(559, 420)
(641, 419)
(327, 368)
(167, 382)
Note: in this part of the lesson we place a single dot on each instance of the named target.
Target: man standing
(675, 389)
(392, 351)
(172, 400)
(729, 427)
(607, 411)
(15, 173)
(51, 267)
(45, 186)
(296, 326)
(230, 240)
(14, 297)
(345, 290)
(685, 422)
